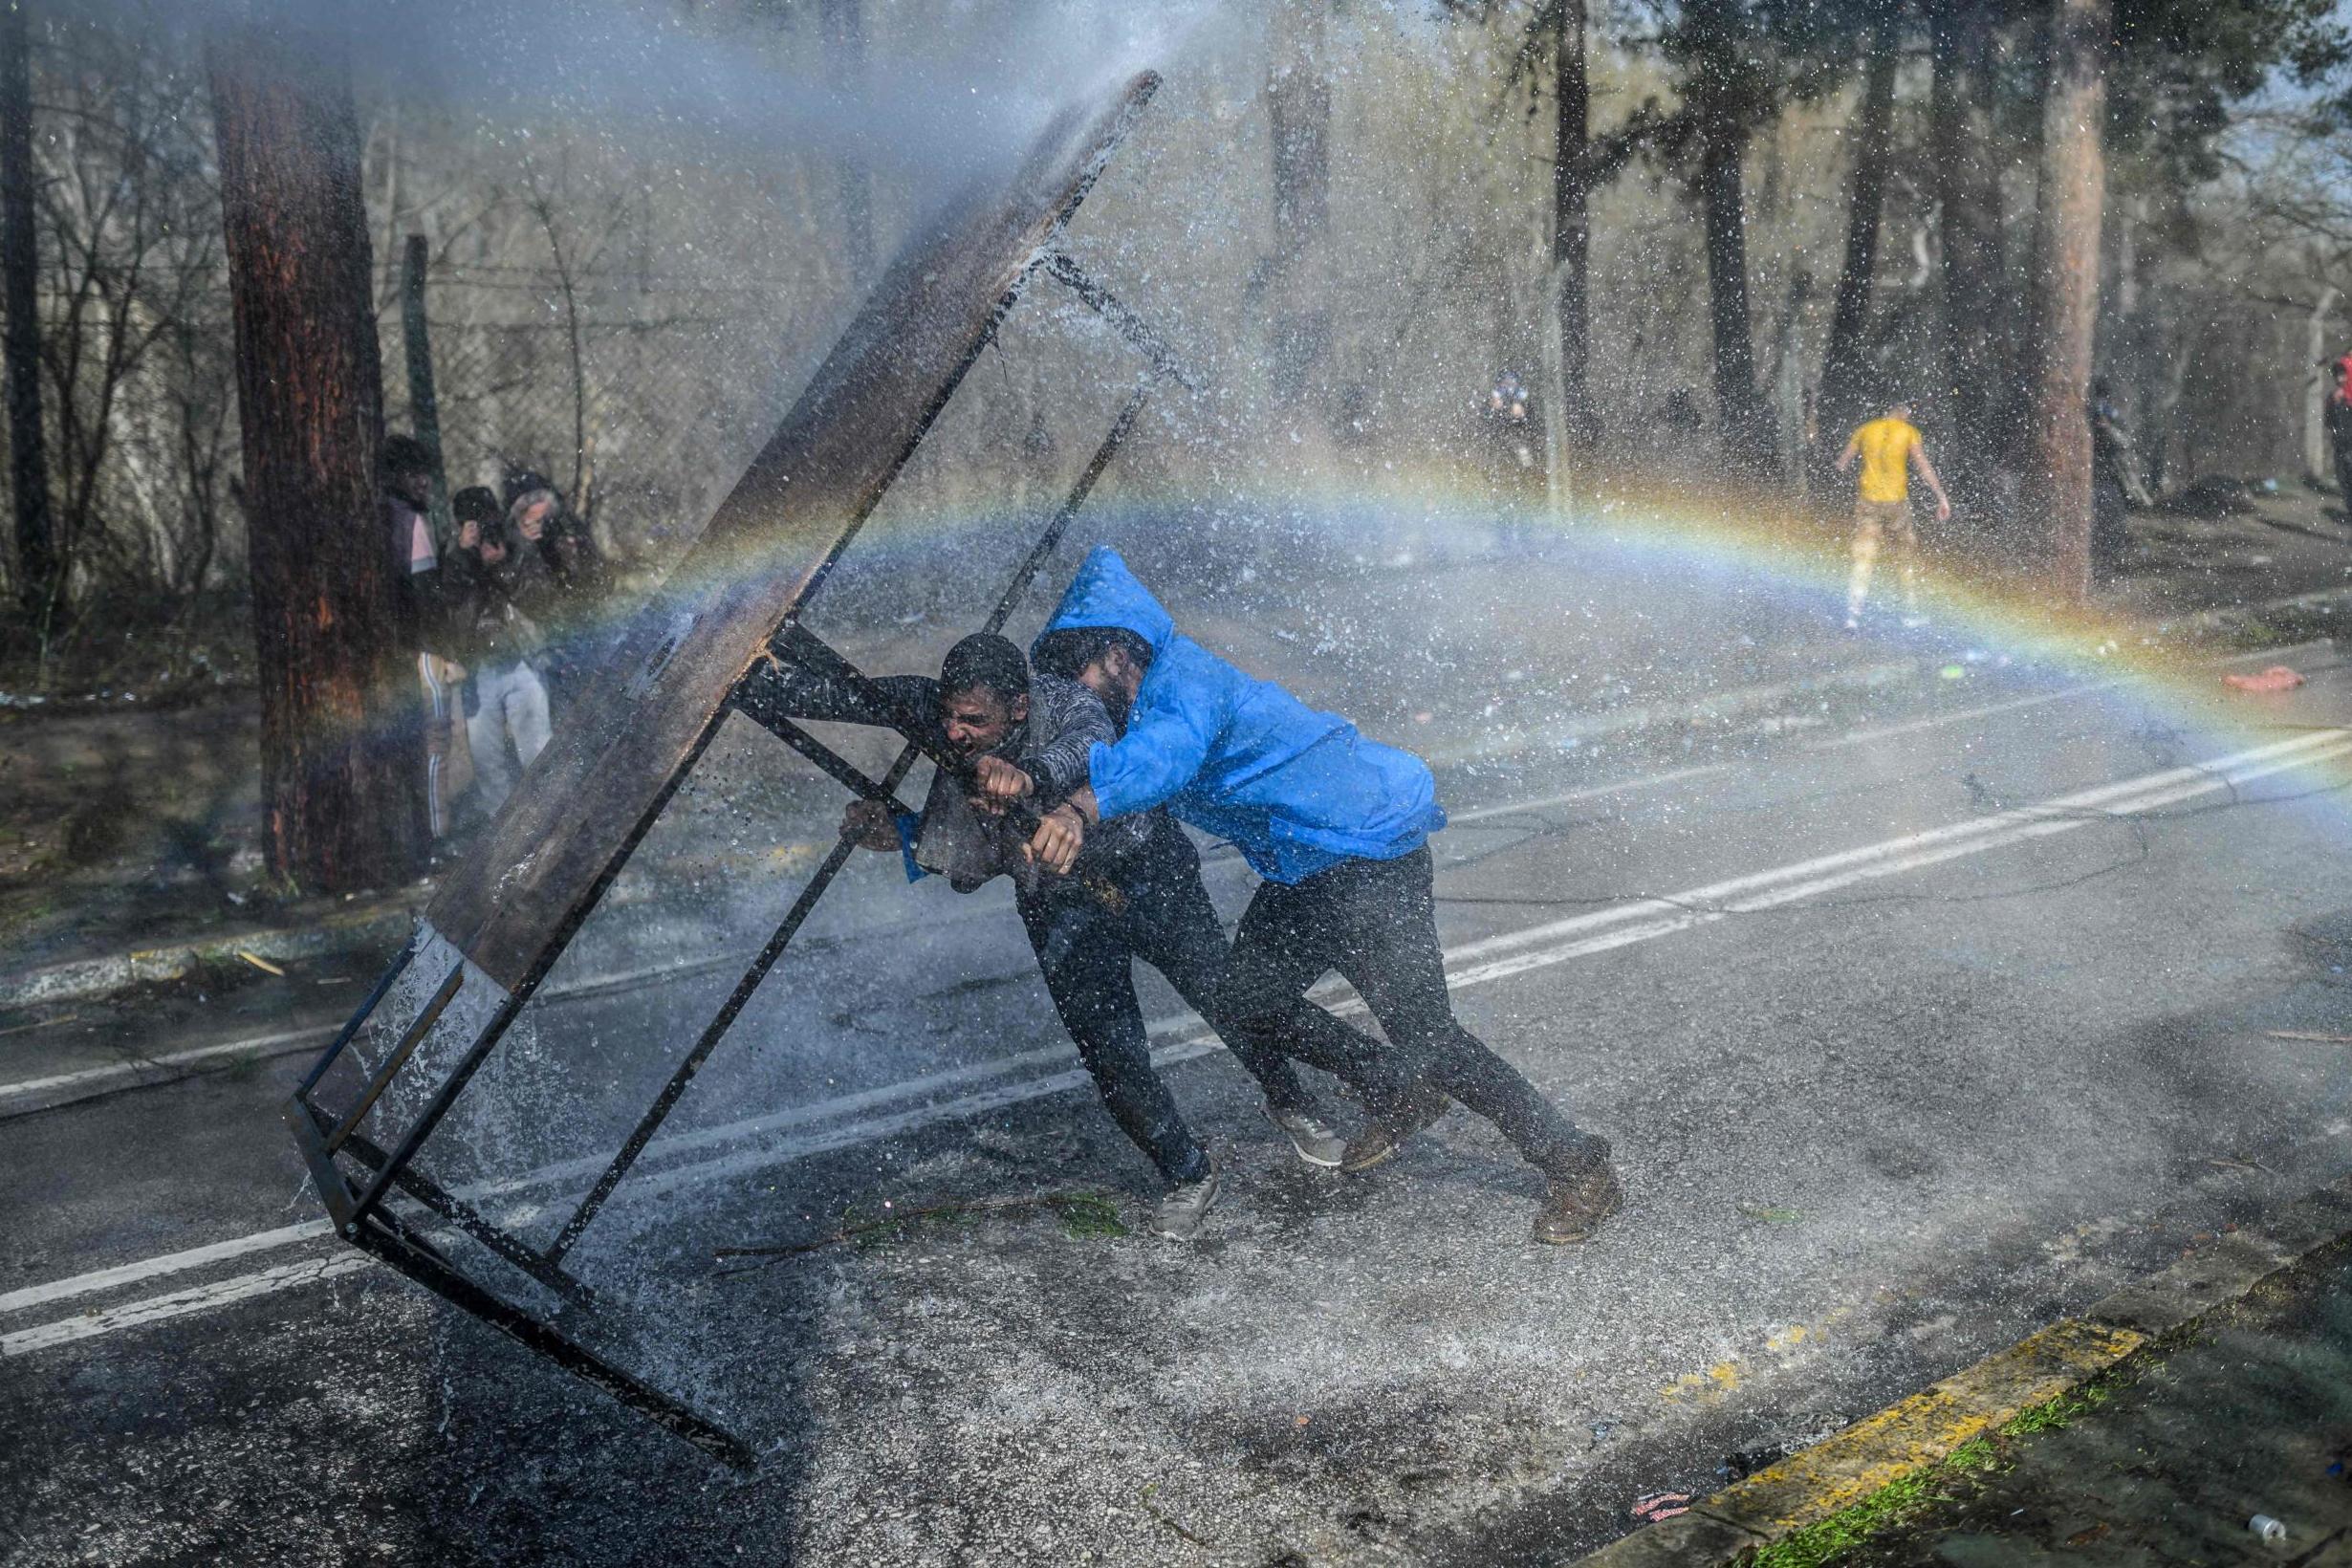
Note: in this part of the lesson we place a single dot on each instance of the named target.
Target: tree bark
(342, 760)
(842, 22)
(1968, 195)
(424, 402)
(2056, 450)
(1722, 198)
(1843, 393)
(38, 579)
(2319, 461)
(1299, 102)
(1572, 226)
(1298, 99)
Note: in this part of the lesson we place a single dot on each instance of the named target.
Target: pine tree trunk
(1299, 102)
(1571, 228)
(1969, 194)
(2319, 461)
(37, 578)
(842, 22)
(342, 758)
(1722, 199)
(2056, 495)
(1843, 394)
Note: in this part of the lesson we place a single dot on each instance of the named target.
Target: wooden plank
(591, 796)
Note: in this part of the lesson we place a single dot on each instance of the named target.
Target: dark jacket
(577, 576)
(1053, 744)
(493, 612)
(422, 570)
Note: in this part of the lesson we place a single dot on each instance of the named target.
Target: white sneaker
(1913, 622)
(1312, 1137)
(1853, 623)
(1179, 1216)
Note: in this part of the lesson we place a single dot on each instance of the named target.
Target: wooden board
(582, 806)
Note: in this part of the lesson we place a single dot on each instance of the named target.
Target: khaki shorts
(1876, 521)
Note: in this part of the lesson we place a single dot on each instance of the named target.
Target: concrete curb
(377, 928)
(1920, 1431)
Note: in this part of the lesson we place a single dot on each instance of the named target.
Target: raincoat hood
(1104, 593)
(1296, 790)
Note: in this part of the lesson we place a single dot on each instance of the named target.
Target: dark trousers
(1086, 932)
(1375, 923)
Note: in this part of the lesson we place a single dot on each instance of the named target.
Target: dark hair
(477, 504)
(404, 454)
(984, 661)
(1066, 653)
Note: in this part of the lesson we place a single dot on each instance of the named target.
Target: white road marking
(1616, 926)
(170, 1263)
(1591, 792)
(92, 1077)
(156, 1309)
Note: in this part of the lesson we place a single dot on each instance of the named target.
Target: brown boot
(1577, 1205)
(1377, 1143)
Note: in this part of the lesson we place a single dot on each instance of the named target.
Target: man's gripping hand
(1059, 837)
(868, 824)
(1001, 783)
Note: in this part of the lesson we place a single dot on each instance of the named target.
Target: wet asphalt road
(1965, 1041)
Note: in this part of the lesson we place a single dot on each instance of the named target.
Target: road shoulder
(1829, 1494)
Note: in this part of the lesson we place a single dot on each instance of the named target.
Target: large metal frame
(734, 604)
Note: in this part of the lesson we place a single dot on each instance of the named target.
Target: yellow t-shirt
(1886, 446)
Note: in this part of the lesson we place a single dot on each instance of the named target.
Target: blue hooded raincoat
(1295, 790)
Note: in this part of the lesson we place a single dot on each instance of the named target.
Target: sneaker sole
(1336, 1163)
(1164, 1234)
(1354, 1167)
(1590, 1229)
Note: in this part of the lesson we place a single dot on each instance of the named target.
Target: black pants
(1375, 923)
(1086, 933)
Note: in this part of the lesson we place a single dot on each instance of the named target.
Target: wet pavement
(1916, 1025)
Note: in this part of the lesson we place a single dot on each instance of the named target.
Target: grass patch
(1906, 1501)
(2056, 1414)
(243, 1067)
(1089, 1216)
(1897, 1503)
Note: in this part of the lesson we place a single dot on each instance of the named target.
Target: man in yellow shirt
(1889, 447)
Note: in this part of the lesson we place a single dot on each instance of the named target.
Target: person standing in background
(406, 465)
(494, 586)
(1890, 447)
(575, 580)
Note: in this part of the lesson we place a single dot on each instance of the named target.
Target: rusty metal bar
(1069, 508)
(796, 644)
(351, 1026)
(384, 1238)
(470, 1220)
(418, 1029)
(1138, 331)
(827, 760)
(713, 1033)
(435, 1109)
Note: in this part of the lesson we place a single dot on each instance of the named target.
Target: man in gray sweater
(1135, 892)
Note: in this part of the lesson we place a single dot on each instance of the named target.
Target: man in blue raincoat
(1136, 894)
(1339, 827)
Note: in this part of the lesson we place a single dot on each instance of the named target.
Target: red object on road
(2277, 678)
